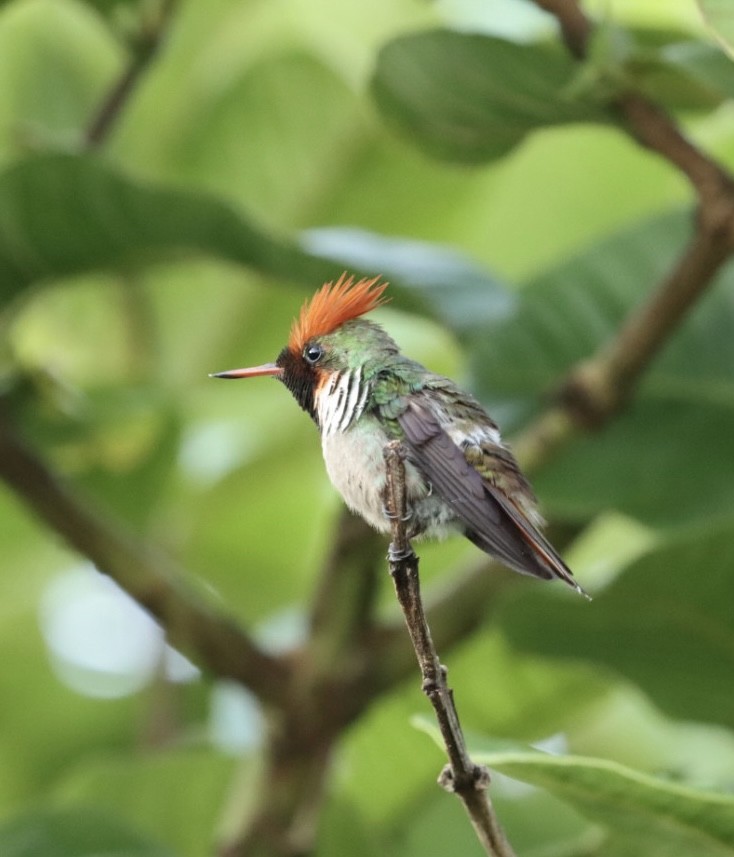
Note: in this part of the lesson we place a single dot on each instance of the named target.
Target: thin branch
(454, 610)
(213, 639)
(468, 780)
(575, 26)
(623, 360)
(148, 44)
(458, 606)
(596, 389)
(655, 130)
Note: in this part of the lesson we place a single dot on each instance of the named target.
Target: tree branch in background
(147, 42)
(213, 639)
(575, 26)
(461, 776)
(596, 389)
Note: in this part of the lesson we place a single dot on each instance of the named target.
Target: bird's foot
(400, 554)
(391, 516)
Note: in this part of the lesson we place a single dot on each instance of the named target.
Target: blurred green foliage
(266, 147)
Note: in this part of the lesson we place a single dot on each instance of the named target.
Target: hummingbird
(350, 377)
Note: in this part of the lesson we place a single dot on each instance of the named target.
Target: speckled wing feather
(493, 522)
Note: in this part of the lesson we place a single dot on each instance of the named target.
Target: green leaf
(684, 75)
(719, 15)
(568, 311)
(556, 828)
(176, 796)
(536, 823)
(679, 72)
(274, 137)
(642, 815)
(496, 689)
(132, 460)
(74, 833)
(63, 214)
(666, 462)
(57, 60)
(473, 98)
(683, 411)
(666, 623)
(638, 815)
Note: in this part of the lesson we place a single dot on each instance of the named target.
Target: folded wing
(492, 520)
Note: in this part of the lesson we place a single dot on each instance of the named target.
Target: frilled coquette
(348, 374)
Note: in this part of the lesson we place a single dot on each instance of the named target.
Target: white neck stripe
(341, 401)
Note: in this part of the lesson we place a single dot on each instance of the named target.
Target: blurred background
(175, 179)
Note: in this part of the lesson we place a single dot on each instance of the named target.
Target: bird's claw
(388, 513)
(400, 554)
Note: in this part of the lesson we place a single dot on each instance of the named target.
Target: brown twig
(575, 26)
(212, 638)
(468, 780)
(454, 610)
(148, 43)
(596, 389)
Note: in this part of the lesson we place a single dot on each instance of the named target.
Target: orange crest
(332, 305)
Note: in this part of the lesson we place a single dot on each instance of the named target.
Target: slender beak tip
(254, 372)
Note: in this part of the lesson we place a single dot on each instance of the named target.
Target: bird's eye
(312, 353)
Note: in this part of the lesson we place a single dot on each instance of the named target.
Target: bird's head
(328, 336)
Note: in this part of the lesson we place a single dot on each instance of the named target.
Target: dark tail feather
(542, 559)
